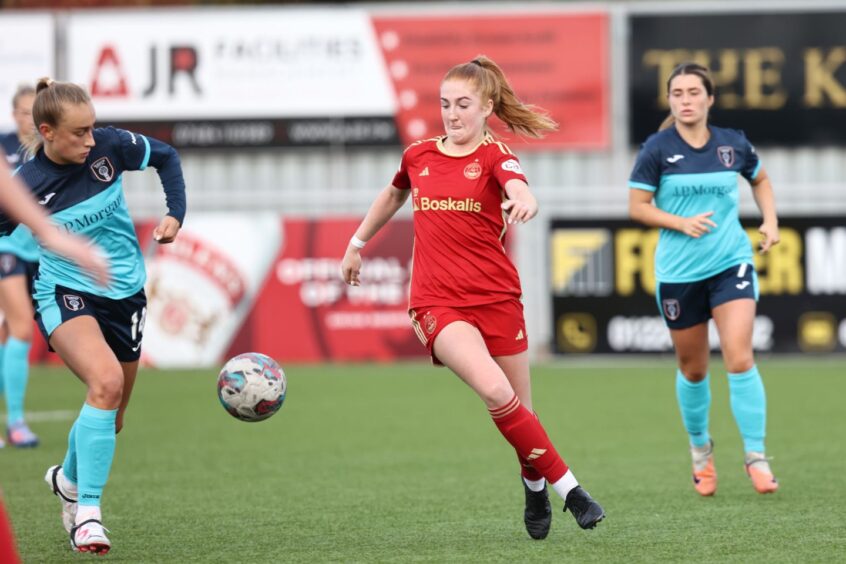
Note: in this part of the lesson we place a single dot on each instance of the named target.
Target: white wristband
(357, 243)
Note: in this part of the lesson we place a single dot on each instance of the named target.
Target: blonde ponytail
(51, 97)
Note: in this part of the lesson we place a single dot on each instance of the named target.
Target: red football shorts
(501, 324)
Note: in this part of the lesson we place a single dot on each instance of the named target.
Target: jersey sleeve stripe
(642, 186)
(756, 171)
(146, 153)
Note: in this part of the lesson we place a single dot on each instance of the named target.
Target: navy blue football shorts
(11, 265)
(686, 304)
(121, 321)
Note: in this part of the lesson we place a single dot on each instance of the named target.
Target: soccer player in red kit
(8, 553)
(465, 188)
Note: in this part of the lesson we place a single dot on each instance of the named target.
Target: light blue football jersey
(88, 200)
(688, 181)
(20, 242)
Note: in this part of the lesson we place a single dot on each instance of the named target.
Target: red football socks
(522, 429)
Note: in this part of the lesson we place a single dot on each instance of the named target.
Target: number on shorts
(138, 323)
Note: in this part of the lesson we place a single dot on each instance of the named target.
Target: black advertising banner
(603, 288)
(261, 133)
(781, 76)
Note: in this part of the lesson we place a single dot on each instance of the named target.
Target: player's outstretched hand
(81, 251)
(351, 266)
(770, 233)
(166, 231)
(519, 212)
(698, 225)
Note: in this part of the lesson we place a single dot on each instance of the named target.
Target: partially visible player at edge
(18, 206)
(14, 143)
(465, 292)
(76, 174)
(18, 264)
(703, 263)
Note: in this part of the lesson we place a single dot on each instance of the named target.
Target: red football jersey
(459, 259)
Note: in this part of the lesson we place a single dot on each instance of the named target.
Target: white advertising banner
(200, 287)
(228, 64)
(27, 47)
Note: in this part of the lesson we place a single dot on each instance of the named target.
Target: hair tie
(476, 62)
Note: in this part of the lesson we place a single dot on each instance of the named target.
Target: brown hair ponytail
(491, 83)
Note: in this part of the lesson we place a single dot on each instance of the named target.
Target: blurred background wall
(290, 118)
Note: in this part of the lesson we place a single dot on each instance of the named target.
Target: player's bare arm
(643, 211)
(765, 200)
(383, 208)
(521, 204)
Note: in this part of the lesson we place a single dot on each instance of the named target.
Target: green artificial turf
(401, 463)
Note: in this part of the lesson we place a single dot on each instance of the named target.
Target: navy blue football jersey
(688, 181)
(88, 199)
(15, 153)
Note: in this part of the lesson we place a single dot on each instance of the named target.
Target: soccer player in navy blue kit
(18, 264)
(76, 175)
(13, 142)
(703, 263)
(17, 205)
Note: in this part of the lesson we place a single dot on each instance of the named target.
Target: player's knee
(108, 389)
(496, 394)
(694, 373)
(21, 331)
(738, 364)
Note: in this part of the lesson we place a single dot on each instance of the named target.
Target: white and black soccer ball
(251, 386)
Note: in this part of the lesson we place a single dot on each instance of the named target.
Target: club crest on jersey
(672, 309)
(512, 165)
(726, 155)
(430, 322)
(473, 171)
(103, 169)
(73, 303)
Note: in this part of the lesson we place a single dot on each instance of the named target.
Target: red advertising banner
(237, 282)
(39, 353)
(233, 283)
(556, 61)
(305, 313)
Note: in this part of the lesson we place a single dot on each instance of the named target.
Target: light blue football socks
(14, 367)
(95, 449)
(69, 464)
(694, 403)
(749, 406)
(2, 351)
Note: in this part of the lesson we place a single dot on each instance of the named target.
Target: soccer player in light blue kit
(17, 205)
(703, 263)
(76, 175)
(18, 264)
